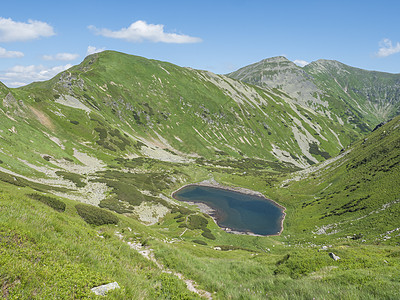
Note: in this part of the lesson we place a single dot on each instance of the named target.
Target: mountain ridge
(363, 97)
(156, 96)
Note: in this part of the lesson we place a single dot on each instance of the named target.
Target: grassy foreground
(48, 254)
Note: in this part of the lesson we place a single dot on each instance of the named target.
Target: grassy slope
(47, 254)
(371, 96)
(356, 195)
(153, 97)
(35, 237)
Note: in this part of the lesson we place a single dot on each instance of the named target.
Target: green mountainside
(163, 110)
(122, 132)
(374, 95)
(357, 193)
(350, 95)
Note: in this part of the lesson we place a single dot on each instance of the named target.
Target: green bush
(95, 216)
(197, 222)
(75, 178)
(182, 210)
(178, 216)
(12, 179)
(314, 149)
(115, 205)
(208, 235)
(200, 242)
(54, 203)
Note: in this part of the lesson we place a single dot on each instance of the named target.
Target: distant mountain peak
(364, 98)
(279, 72)
(280, 58)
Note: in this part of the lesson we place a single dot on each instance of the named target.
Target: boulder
(334, 256)
(103, 289)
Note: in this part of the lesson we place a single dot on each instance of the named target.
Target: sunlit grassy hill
(89, 159)
(184, 110)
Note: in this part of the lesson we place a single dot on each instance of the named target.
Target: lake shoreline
(204, 208)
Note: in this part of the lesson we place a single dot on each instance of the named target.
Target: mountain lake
(236, 211)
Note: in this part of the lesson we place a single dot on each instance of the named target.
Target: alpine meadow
(90, 161)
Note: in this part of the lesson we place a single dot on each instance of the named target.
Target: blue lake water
(236, 211)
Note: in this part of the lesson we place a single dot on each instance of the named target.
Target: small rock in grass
(103, 289)
(334, 256)
(323, 248)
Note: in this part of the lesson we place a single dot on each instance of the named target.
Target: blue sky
(38, 39)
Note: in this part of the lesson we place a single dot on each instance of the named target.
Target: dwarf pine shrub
(96, 216)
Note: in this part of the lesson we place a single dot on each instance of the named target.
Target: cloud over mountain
(140, 31)
(93, 49)
(21, 75)
(387, 48)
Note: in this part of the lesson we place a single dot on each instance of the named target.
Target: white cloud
(141, 31)
(301, 62)
(387, 48)
(11, 31)
(61, 56)
(21, 75)
(10, 54)
(15, 84)
(92, 50)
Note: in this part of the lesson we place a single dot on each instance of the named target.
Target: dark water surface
(237, 211)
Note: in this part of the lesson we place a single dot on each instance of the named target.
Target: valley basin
(239, 211)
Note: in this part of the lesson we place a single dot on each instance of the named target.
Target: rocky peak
(279, 72)
(276, 59)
